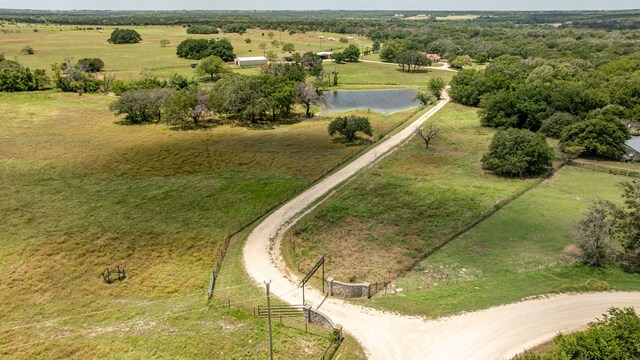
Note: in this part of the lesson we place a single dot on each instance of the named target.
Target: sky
(324, 4)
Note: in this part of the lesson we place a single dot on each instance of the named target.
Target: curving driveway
(491, 334)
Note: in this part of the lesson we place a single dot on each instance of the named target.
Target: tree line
(267, 97)
(591, 107)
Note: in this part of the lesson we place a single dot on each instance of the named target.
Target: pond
(384, 101)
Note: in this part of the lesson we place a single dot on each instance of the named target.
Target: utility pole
(269, 320)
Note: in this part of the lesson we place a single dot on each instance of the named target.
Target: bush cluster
(124, 36)
(202, 29)
(197, 49)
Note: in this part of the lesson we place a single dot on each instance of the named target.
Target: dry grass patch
(81, 193)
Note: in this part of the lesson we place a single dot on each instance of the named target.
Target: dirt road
(491, 334)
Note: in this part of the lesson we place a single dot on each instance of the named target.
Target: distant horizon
(334, 5)
(312, 10)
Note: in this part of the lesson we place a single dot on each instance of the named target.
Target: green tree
(272, 56)
(164, 43)
(124, 36)
(482, 57)
(291, 72)
(555, 124)
(425, 99)
(339, 57)
(187, 107)
(141, 106)
(598, 137)
(202, 29)
(626, 227)
(288, 47)
(467, 86)
(213, 66)
(462, 61)
(391, 50)
(516, 152)
(351, 53)
(197, 49)
(375, 47)
(348, 126)
(436, 85)
(312, 63)
(279, 95)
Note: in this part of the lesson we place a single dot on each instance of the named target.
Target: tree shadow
(208, 125)
(420, 71)
(359, 141)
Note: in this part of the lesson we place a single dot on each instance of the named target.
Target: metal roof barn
(251, 61)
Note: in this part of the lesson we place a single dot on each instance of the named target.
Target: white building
(325, 55)
(251, 61)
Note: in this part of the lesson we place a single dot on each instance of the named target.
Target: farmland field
(378, 76)
(81, 192)
(400, 209)
(55, 43)
(521, 251)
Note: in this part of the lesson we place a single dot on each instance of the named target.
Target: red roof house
(432, 57)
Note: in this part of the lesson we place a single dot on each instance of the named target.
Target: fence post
(212, 283)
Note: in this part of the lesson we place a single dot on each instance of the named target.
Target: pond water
(384, 101)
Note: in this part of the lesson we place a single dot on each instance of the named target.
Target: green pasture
(82, 193)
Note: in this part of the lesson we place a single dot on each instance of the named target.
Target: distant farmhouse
(251, 61)
(325, 55)
(433, 57)
(633, 149)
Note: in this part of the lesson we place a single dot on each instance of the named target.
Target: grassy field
(457, 17)
(373, 75)
(384, 221)
(81, 193)
(55, 43)
(519, 252)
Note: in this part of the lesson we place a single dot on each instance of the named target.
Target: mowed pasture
(389, 217)
(81, 193)
(365, 75)
(53, 44)
(522, 251)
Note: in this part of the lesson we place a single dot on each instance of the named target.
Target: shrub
(556, 123)
(21, 79)
(119, 86)
(91, 65)
(27, 50)
(124, 36)
(516, 152)
(616, 336)
(289, 47)
(348, 126)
